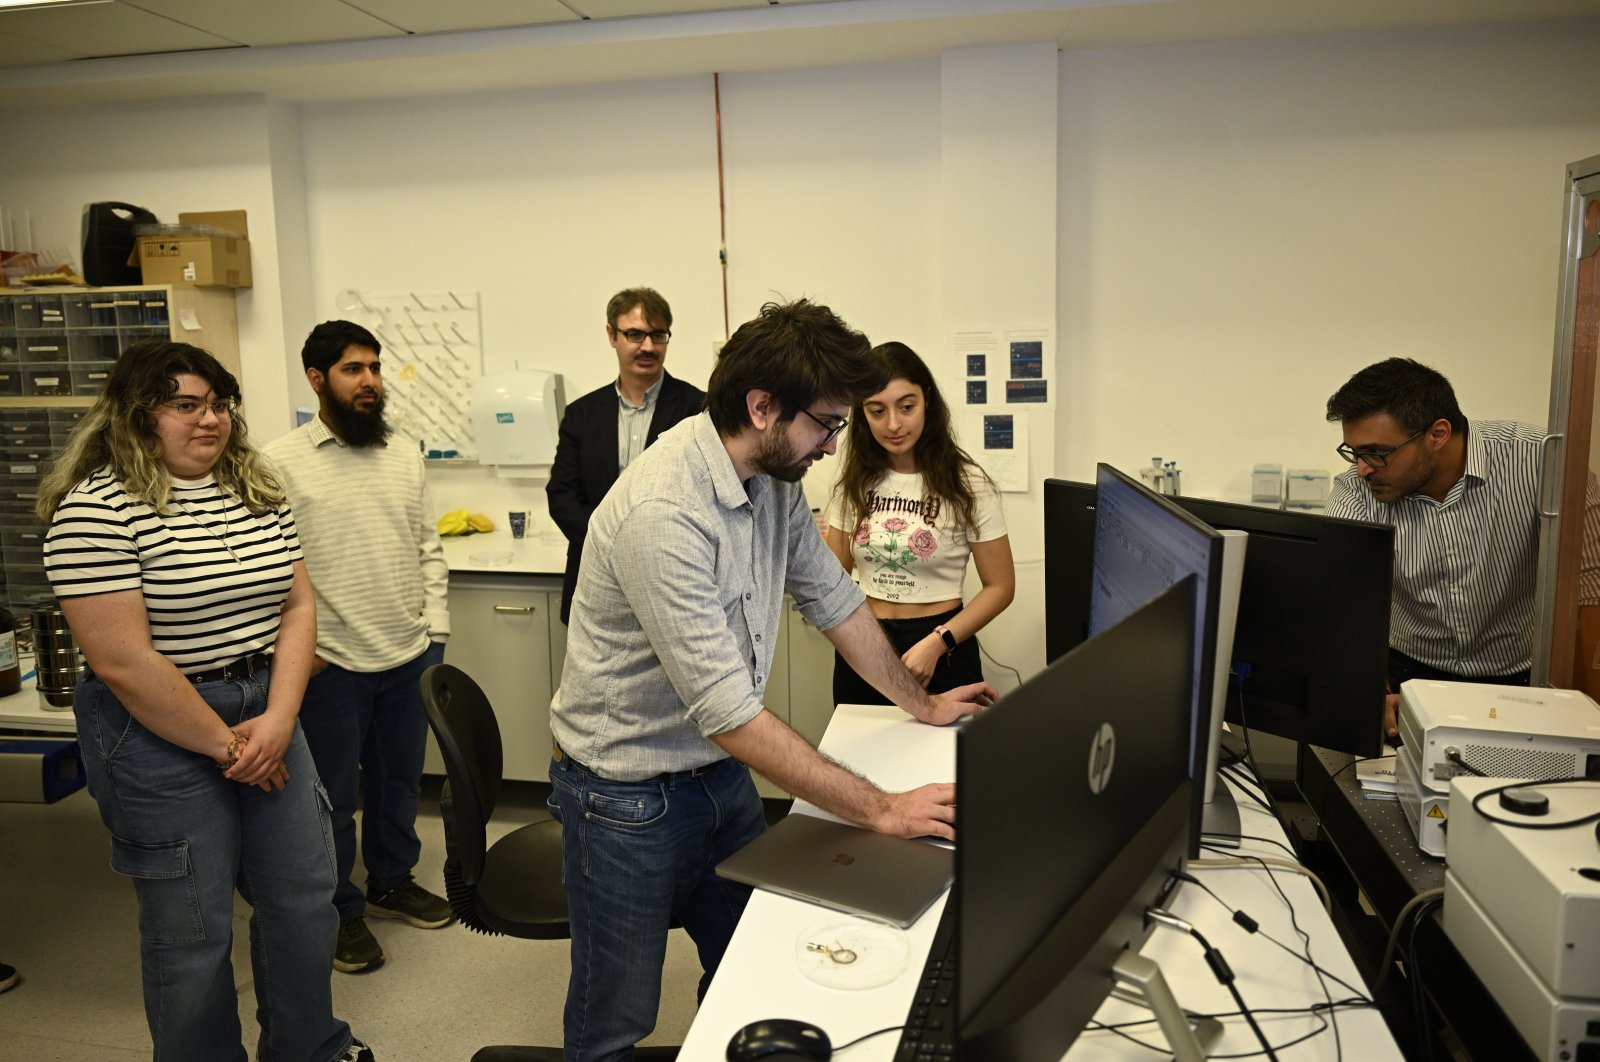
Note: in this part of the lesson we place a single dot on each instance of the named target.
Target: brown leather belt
(243, 667)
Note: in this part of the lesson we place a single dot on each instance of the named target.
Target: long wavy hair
(118, 433)
(948, 471)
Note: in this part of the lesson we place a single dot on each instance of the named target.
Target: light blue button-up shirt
(675, 618)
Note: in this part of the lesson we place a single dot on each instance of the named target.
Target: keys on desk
(930, 1032)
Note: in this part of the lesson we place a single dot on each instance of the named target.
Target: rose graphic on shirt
(890, 553)
(863, 534)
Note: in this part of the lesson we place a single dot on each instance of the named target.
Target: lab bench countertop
(496, 552)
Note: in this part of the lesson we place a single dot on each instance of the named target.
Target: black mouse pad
(844, 867)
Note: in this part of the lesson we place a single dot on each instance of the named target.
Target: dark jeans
(636, 856)
(368, 729)
(953, 669)
(188, 838)
(1403, 667)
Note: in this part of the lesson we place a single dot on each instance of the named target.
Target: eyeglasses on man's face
(832, 425)
(1374, 458)
(638, 335)
(194, 409)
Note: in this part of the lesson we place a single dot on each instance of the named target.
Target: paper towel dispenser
(516, 417)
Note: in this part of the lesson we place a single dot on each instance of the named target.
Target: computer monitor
(1142, 544)
(1311, 642)
(1074, 812)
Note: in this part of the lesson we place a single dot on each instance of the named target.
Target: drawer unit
(58, 347)
(89, 378)
(46, 378)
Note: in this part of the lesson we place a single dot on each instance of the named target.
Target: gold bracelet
(235, 747)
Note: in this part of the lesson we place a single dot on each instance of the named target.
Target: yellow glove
(461, 522)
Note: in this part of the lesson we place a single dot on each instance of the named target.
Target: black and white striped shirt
(1464, 568)
(214, 577)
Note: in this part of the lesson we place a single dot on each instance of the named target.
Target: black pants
(1403, 667)
(957, 668)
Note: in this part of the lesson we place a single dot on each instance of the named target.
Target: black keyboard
(930, 1031)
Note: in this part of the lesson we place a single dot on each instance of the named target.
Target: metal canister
(56, 656)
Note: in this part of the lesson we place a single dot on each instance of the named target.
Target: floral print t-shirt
(912, 548)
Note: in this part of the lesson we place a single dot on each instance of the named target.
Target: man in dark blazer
(608, 427)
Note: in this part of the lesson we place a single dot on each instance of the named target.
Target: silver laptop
(845, 868)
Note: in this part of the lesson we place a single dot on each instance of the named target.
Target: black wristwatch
(949, 638)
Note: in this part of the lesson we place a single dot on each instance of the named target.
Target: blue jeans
(368, 728)
(188, 837)
(635, 856)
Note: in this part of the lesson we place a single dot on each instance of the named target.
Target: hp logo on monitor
(1102, 754)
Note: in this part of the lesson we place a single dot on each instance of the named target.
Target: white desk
(758, 978)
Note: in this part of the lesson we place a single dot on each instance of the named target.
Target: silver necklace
(222, 538)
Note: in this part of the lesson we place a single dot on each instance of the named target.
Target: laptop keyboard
(930, 1032)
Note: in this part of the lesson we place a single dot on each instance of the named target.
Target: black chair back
(469, 741)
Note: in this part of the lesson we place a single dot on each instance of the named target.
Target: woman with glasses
(175, 560)
(909, 509)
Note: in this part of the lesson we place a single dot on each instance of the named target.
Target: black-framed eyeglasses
(832, 427)
(194, 409)
(1373, 458)
(638, 335)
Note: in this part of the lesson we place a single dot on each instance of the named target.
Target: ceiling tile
(107, 29)
(280, 22)
(431, 16)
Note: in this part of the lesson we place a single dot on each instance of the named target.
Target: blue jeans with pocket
(367, 731)
(635, 857)
(188, 837)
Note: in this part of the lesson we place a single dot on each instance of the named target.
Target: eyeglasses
(1373, 458)
(193, 409)
(832, 428)
(638, 335)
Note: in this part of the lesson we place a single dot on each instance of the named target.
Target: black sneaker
(357, 1051)
(8, 977)
(412, 903)
(357, 949)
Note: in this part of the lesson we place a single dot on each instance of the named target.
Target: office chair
(512, 888)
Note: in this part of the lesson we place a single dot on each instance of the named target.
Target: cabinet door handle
(515, 608)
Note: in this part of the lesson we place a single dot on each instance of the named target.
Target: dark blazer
(586, 461)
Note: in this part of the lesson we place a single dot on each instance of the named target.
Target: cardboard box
(199, 261)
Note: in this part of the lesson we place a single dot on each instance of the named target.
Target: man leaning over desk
(1463, 499)
(668, 657)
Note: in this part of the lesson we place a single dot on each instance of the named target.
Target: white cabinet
(506, 632)
(500, 635)
(810, 676)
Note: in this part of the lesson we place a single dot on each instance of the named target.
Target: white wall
(185, 156)
(1238, 226)
(1246, 224)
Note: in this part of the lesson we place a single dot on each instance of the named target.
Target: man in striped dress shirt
(367, 528)
(1463, 498)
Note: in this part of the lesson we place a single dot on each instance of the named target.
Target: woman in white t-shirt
(910, 507)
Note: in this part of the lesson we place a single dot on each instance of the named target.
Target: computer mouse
(779, 1040)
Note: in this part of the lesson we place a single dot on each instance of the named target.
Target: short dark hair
(1410, 392)
(327, 342)
(657, 313)
(798, 352)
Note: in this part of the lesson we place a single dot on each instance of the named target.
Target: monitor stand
(1219, 819)
(1189, 1044)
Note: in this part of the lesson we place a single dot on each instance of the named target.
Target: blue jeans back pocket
(163, 876)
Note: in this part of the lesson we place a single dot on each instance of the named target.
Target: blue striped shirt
(1465, 567)
(214, 577)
